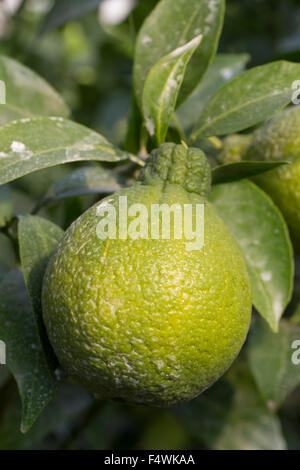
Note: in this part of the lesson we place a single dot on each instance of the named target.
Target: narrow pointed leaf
(262, 235)
(34, 144)
(172, 24)
(248, 99)
(162, 87)
(27, 94)
(239, 170)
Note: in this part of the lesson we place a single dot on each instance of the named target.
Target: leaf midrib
(54, 149)
(196, 134)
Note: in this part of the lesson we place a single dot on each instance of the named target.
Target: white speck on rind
(17, 147)
(160, 364)
(56, 118)
(261, 264)
(150, 126)
(226, 73)
(266, 276)
(146, 39)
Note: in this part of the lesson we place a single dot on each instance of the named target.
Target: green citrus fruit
(148, 320)
(279, 139)
(234, 147)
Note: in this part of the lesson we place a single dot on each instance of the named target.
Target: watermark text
(159, 221)
(296, 354)
(2, 353)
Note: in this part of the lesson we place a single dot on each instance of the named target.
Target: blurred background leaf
(231, 415)
(25, 356)
(64, 11)
(27, 94)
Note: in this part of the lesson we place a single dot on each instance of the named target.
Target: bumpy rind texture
(279, 139)
(146, 321)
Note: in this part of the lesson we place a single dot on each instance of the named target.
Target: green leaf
(7, 256)
(27, 94)
(270, 359)
(6, 205)
(25, 356)
(64, 11)
(248, 99)
(36, 184)
(232, 416)
(223, 69)
(262, 235)
(239, 170)
(172, 24)
(38, 239)
(162, 87)
(34, 144)
(164, 431)
(84, 181)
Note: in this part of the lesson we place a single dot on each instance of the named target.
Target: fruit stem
(176, 164)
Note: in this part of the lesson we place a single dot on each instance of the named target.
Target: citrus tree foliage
(56, 160)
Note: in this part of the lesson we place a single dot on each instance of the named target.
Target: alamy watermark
(2, 353)
(159, 221)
